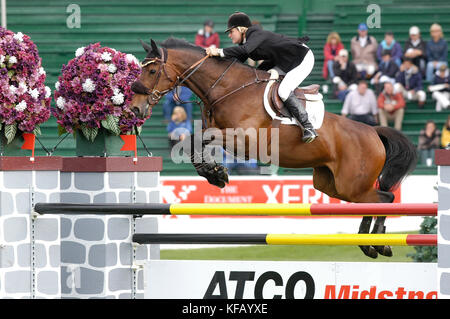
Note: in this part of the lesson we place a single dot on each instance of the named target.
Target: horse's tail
(401, 158)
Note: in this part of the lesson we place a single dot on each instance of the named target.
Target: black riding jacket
(275, 49)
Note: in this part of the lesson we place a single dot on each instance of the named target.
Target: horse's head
(154, 81)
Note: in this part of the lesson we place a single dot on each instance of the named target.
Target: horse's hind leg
(379, 228)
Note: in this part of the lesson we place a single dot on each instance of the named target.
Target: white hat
(414, 30)
(343, 52)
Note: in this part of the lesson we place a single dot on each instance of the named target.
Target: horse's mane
(181, 44)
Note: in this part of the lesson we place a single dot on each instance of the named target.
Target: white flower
(57, 85)
(116, 91)
(106, 56)
(12, 89)
(117, 99)
(60, 102)
(41, 71)
(112, 68)
(131, 58)
(79, 51)
(22, 87)
(2, 58)
(18, 36)
(88, 86)
(12, 60)
(48, 92)
(34, 93)
(21, 106)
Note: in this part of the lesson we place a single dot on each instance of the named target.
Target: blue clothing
(389, 68)
(437, 51)
(410, 81)
(442, 80)
(395, 48)
(176, 129)
(169, 103)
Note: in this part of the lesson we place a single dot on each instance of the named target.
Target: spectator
(390, 44)
(429, 140)
(387, 71)
(206, 37)
(239, 166)
(169, 103)
(364, 49)
(345, 75)
(179, 126)
(409, 83)
(392, 106)
(331, 51)
(440, 88)
(415, 49)
(436, 51)
(361, 105)
(445, 139)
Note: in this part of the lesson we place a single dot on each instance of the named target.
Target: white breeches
(296, 76)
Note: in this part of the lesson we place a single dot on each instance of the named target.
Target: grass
(286, 253)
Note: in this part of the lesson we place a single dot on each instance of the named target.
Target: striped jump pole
(290, 239)
(351, 209)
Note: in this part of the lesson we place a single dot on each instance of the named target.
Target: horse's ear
(146, 47)
(155, 49)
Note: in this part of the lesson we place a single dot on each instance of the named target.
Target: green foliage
(426, 253)
(10, 132)
(112, 124)
(89, 132)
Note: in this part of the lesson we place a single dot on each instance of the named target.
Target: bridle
(154, 95)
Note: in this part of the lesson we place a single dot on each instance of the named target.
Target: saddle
(278, 104)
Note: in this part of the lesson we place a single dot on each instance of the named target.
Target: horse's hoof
(216, 175)
(369, 251)
(384, 250)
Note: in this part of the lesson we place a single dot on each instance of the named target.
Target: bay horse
(351, 161)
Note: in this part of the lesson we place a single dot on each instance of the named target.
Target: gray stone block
(141, 197)
(68, 280)
(147, 225)
(153, 197)
(103, 255)
(6, 203)
(55, 255)
(46, 229)
(120, 279)
(75, 198)
(89, 181)
(444, 226)
(65, 180)
(140, 279)
(89, 229)
(125, 254)
(107, 197)
(118, 228)
(72, 252)
(443, 256)
(91, 281)
(126, 295)
(147, 179)
(17, 281)
(47, 282)
(17, 179)
(23, 201)
(445, 174)
(66, 227)
(47, 179)
(121, 179)
(23, 255)
(15, 229)
(444, 198)
(125, 197)
(444, 283)
(142, 252)
(7, 257)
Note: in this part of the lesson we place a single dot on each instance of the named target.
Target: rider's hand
(211, 51)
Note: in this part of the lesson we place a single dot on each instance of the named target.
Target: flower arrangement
(24, 99)
(93, 91)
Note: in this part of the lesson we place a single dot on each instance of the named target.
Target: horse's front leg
(196, 147)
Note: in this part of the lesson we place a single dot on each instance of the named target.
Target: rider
(290, 55)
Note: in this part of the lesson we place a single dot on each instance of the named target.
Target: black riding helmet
(238, 19)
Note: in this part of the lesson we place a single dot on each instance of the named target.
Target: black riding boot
(296, 108)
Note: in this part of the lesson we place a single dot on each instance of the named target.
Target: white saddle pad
(314, 107)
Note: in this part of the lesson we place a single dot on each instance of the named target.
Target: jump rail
(289, 239)
(351, 209)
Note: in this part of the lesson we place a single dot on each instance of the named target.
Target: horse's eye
(152, 71)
